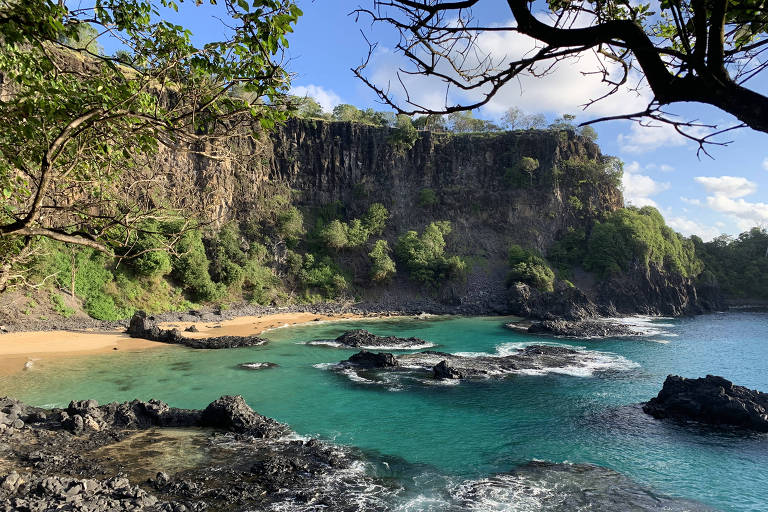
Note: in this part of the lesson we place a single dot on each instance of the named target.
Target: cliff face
(477, 185)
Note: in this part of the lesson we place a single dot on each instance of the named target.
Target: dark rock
(232, 413)
(582, 329)
(565, 302)
(145, 327)
(360, 338)
(192, 328)
(374, 360)
(712, 400)
(442, 371)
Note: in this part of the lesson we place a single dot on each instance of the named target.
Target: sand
(20, 348)
(254, 325)
(29, 348)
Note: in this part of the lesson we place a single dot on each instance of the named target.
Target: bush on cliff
(530, 268)
(639, 236)
(424, 255)
(382, 266)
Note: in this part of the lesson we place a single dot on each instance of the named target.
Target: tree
(346, 112)
(690, 51)
(80, 128)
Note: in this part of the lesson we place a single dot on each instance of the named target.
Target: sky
(726, 194)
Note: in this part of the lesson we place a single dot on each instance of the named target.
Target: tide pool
(432, 438)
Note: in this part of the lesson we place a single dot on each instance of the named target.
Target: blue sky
(707, 197)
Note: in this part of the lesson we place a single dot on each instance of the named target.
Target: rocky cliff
(475, 179)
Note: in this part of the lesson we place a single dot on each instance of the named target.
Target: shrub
(382, 266)
(427, 197)
(375, 220)
(404, 135)
(190, 268)
(60, 306)
(322, 275)
(334, 235)
(424, 256)
(530, 268)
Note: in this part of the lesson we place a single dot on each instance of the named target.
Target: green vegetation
(57, 301)
(738, 265)
(338, 235)
(528, 267)
(427, 198)
(382, 266)
(424, 255)
(625, 238)
(404, 136)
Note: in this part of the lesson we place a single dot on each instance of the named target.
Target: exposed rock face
(712, 400)
(583, 329)
(367, 359)
(251, 466)
(142, 326)
(565, 302)
(232, 413)
(360, 338)
(441, 365)
(651, 291)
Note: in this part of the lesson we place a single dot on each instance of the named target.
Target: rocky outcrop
(565, 302)
(651, 291)
(583, 329)
(712, 400)
(233, 414)
(245, 461)
(143, 326)
(533, 359)
(367, 359)
(360, 338)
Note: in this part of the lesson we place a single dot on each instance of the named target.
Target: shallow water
(430, 438)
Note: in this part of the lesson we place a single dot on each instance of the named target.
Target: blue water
(474, 429)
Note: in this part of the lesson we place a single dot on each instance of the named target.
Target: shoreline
(22, 349)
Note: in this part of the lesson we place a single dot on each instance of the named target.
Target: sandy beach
(17, 349)
(254, 325)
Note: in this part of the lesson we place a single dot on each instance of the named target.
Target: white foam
(646, 326)
(335, 344)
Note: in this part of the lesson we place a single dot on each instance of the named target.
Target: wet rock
(192, 328)
(582, 329)
(442, 371)
(374, 360)
(142, 326)
(232, 413)
(360, 338)
(712, 400)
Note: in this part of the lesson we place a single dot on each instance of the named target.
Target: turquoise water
(474, 429)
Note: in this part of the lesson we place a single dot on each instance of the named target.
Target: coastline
(19, 348)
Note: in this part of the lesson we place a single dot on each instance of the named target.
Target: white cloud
(648, 138)
(728, 186)
(727, 197)
(326, 98)
(564, 89)
(666, 168)
(690, 227)
(638, 188)
(688, 200)
(746, 214)
(765, 163)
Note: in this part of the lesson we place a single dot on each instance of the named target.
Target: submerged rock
(712, 400)
(142, 326)
(257, 365)
(582, 329)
